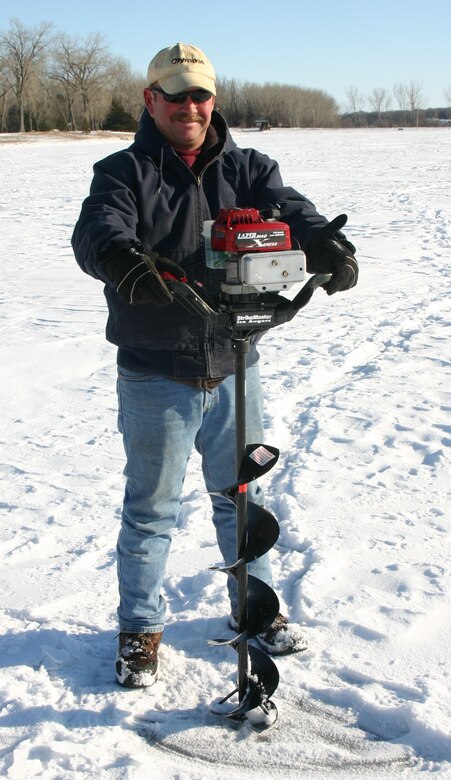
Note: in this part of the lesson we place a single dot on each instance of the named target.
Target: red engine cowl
(244, 230)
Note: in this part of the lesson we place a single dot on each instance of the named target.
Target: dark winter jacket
(146, 195)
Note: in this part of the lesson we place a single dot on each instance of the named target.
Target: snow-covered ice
(357, 399)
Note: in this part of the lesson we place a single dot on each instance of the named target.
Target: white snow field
(357, 399)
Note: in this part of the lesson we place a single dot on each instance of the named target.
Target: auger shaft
(241, 346)
(256, 532)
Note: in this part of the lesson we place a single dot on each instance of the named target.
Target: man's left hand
(328, 254)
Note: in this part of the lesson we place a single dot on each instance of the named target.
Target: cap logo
(186, 60)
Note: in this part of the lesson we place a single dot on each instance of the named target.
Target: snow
(357, 400)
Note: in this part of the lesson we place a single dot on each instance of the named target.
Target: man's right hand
(138, 276)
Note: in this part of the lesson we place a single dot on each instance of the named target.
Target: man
(143, 219)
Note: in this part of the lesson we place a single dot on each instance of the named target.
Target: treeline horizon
(52, 81)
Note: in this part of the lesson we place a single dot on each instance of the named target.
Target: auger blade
(262, 534)
(262, 531)
(257, 460)
(261, 683)
(262, 609)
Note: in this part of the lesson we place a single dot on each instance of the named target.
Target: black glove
(330, 253)
(139, 277)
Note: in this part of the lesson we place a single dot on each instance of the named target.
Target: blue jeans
(161, 421)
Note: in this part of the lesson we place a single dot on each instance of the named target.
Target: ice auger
(259, 264)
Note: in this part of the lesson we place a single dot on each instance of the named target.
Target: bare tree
(415, 95)
(356, 102)
(38, 103)
(400, 94)
(81, 67)
(379, 100)
(61, 108)
(126, 86)
(5, 95)
(410, 98)
(447, 94)
(22, 50)
(90, 69)
(61, 72)
(228, 99)
(416, 99)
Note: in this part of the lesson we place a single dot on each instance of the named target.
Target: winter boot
(280, 638)
(137, 659)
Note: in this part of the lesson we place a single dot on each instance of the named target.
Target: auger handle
(286, 309)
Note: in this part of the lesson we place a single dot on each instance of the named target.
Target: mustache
(186, 116)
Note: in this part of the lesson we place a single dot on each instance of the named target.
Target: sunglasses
(197, 95)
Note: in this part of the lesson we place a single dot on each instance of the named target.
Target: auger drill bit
(257, 531)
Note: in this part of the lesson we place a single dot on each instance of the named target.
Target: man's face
(183, 124)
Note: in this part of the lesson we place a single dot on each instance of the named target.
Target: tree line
(404, 105)
(50, 80)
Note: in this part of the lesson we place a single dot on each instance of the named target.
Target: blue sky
(322, 44)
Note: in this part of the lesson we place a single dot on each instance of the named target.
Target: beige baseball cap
(181, 67)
